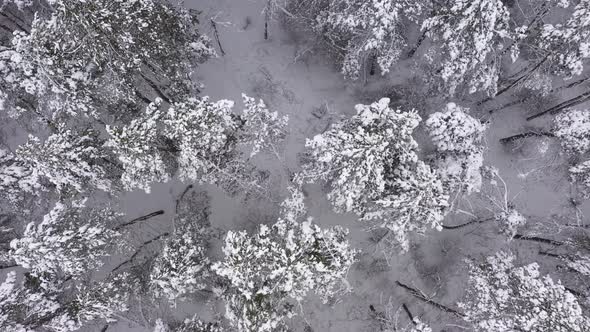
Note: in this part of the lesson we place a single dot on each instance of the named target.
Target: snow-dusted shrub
(70, 241)
(419, 326)
(573, 129)
(504, 297)
(469, 33)
(281, 263)
(460, 173)
(510, 220)
(371, 164)
(458, 138)
(17, 180)
(580, 176)
(390, 321)
(68, 160)
(454, 130)
(193, 324)
(363, 31)
(137, 148)
(505, 212)
(263, 129)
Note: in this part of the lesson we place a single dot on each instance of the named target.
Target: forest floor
(297, 86)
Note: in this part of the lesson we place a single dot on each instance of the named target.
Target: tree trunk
(216, 33)
(520, 101)
(18, 25)
(142, 97)
(139, 219)
(515, 82)
(157, 89)
(372, 68)
(537, 239)
(419, 42)
(421, 297)
(138, 250)
(409, 313)
(467, 223)
(513, 138)
(180, 198)
(267, 16)
(562, 106)
(5, 27)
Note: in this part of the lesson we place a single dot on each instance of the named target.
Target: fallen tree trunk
(556, 90)
(417, 294)
(566, 104)
(138, 250)
(537, 239)
(216, 33)
(525, 135)
(139, 219)
(476, 221)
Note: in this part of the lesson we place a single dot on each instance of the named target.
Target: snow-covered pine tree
(98, 300)
(68, 243)
(414, 202)
(206, 133)
(22, 306)
(469, 34)
(138, 147)
(81, 57)
(371, 164)
(458, 138)
(182, 267)
(26, 307)
(207, 136)
(281, 263)
(71, 161)
(504, 297)
(573, 129)
(365, 33)
(358, 156)
(263, 130)
(563, 45)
